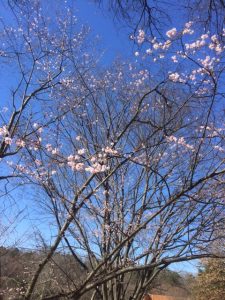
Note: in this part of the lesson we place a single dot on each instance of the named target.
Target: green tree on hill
(210, 283)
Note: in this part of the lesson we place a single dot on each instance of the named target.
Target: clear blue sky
(114, 37)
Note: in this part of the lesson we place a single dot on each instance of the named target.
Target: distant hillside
(17, 266)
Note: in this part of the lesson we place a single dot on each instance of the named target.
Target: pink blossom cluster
(141, 36)
(172, 33)
(5, 135)
(73, 162)
(20, 143)
(179, 141)
(97, 163)
(176, 77)
(215, 44)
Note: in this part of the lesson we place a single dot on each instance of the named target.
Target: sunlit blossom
(172, 33)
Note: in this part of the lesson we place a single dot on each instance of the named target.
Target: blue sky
(114, 37)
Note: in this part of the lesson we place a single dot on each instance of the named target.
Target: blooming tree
(129, 161)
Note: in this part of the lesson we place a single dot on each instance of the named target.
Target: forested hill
(17, 267)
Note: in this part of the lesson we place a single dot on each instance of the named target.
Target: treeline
(17, 267)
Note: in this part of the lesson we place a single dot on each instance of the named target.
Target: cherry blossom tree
(134, 174)
(128, 160)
